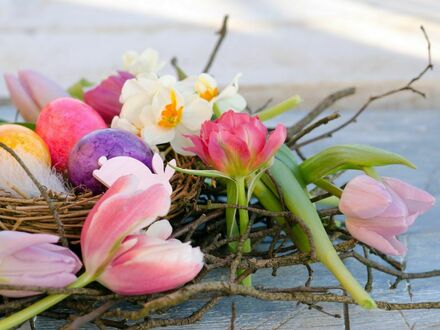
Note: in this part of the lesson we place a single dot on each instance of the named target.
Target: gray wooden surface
(414, 134)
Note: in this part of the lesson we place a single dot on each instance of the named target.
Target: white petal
(196, 113)
(236, 103)
(154, 134)
(161, 229)
(230, 90)
(180, 141)
(131, 88)
(124, 124)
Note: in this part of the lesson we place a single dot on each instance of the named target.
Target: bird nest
(64, 215)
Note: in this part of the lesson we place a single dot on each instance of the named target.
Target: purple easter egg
(109, 142)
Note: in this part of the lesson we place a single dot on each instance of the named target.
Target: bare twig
(320, 108)
(308, 129)
(222, 34)
(406, 88)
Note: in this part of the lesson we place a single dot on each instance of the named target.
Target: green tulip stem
(232, 230)
(243, 222)
(279, 108)
(40, 306)
(298, 202)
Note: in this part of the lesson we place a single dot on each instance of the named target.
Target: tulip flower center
(171, 114)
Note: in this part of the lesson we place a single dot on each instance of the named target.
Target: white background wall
(282, 47)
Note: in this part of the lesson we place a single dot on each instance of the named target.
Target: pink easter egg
(62, 123)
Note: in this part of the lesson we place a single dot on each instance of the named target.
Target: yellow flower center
(171, 114)
(209, 94)
(205, 89)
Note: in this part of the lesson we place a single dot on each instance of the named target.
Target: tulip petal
(43, 90)
(417, 200)
(161, 229)
(21, 98)
(274, 142)
(153, 265)
(121, 211)
(389, 245)
(39, 260)
(13, 241)
(364, 197)
(58, 280)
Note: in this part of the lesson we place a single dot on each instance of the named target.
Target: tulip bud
(34, 260)
(104, 98)
(31, 91)
(378, 211)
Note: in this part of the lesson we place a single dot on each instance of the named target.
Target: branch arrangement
(230, 200)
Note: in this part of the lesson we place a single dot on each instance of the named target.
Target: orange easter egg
(20, 138)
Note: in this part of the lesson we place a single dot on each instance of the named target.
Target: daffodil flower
(158, 112)
(206, 87)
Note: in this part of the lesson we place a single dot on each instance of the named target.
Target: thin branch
(222, 34)
(408, 87)
(320, 108)
(308, 129)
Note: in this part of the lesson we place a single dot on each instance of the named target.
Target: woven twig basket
(34, 215)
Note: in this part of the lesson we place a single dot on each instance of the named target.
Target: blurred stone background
(282, 47)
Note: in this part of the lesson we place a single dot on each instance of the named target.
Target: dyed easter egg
(20, 138)
(110, 142)
(62, 123)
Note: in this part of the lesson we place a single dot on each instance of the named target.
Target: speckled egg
(21, 138)
(110, 142)
(62, 123)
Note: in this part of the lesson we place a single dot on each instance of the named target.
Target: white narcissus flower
(145, 63)
(206, 87)
(159, 113)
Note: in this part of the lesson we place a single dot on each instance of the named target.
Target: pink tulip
(149, 263)
(236, 143)
(378, 211)
(104, 98)
(34, 259)
(31, 91)
(116, 254)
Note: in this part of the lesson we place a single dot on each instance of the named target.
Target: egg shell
(62, 123)
(21, 138)
(110, 142)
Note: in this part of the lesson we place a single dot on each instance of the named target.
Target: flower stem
(231, 223)
(298, 202)
(243, 221)
(40, 306)
(279, 108)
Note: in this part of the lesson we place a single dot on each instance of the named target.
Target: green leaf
(343, 157)
(252, 182)
(77, 89)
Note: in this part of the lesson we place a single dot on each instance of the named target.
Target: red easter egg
(62, 123)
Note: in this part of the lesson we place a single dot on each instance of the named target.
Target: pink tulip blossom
(104, 98)
(376, 212)
(236, 143)
(34, 260)
(118, 255)
(31, 91)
